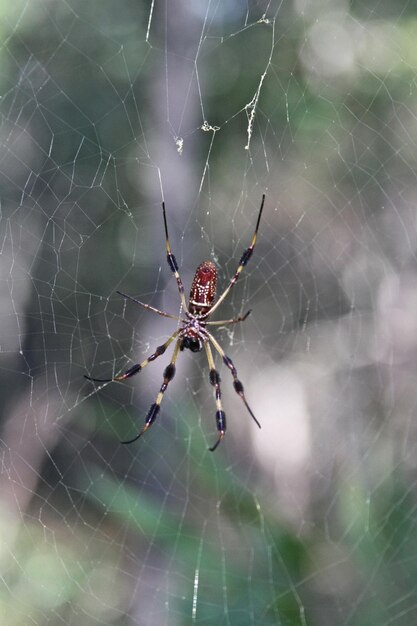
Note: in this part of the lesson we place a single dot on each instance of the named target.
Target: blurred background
(107, 109)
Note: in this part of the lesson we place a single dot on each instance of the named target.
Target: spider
(192, 333)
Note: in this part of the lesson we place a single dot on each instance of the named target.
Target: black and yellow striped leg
(138, 366)
(148, 306)
(153, 412)
(243, 260)
(172, 262)
(234, 320)
(236, 382)
(215, 382)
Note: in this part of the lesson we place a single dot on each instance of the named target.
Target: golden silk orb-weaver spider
(192, 332)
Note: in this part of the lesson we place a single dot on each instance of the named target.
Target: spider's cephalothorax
(192, 333)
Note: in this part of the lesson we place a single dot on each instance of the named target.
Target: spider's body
(192, 334)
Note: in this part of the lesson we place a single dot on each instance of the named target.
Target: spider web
(108, 108)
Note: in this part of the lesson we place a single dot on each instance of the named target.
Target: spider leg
(243, 260)
(241, 318)
(172, 262)
(236, 382)
(138, 366)
(215, 381)
(147, 306)
(169, 374)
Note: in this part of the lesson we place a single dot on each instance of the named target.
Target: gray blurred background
(107, 109)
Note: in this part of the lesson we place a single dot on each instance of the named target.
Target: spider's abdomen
(203, 289)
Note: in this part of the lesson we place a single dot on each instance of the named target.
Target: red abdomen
(203, 289)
